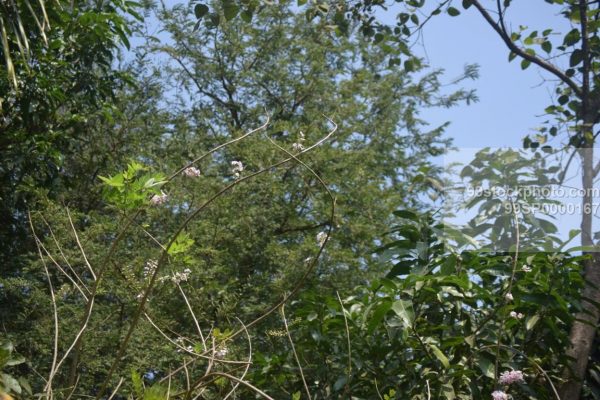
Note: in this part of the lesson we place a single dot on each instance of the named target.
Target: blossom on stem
(526, 268)
(508, 296)
(237, 168)
(191, 172)
(221, 353)
(150, 267)
(321, 238)
(508, 377)
(499, 395)
(516, 315)
(159, 199)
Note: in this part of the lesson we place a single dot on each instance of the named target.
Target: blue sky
(511, 100)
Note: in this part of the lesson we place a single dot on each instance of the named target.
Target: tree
(250, 248)
(570, 58)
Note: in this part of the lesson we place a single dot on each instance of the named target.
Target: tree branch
(521, 53)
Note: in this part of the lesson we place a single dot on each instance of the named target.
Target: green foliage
(8, 383)
(131, 189)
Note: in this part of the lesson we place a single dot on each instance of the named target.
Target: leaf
(576, 58)
(197, 25)
(25, 385)
(340, 383)
(246, 16)
(10, 383)
(400, 268)
(531, 321)
(453, 12)
(403, 309)
(486, 366)
(200, 10)
(467, 3)
(114, 181)
(547, 46)
(525, 64)
(230, 10)
(439, 355)
(136, 380)
(15, 361)
(406, 214)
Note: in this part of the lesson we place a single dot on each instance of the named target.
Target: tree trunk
(583, 330)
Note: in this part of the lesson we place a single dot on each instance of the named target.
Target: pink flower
(191, 172)
(508, 377)
(499, 395)
(159, 199)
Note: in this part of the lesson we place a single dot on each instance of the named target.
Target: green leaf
(114, 181)
(453, 12)
(136, 380)
(525, 64)
(403, 309)
(547, 46)
(200, 10)
(576, 58)
(439, 355)
(246, 16)
(340, 383)
(15, 361)
(531, 321)
(467, 3)
(10, 383)
(406, 214)
(25, 385)
(486, 366)
(230, 10)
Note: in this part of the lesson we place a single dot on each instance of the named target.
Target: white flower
(509, 297)
(150, 267)
(321, 238)
(499, 395)
(221, 353)
(516, 315)
(159, 199)
(297, 147)
(237, 168)
(191, 172)
(179, 277)
(508, 377)
(526, 268)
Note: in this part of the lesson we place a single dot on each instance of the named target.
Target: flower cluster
(191, 172)
(321, 238)
(516, 315)
(499, 395)
(159, 199)
(508, 377)
(181, 276)
(150, 267)
(177, 277)
(298, 146)
(237, 168)
(221, 353)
